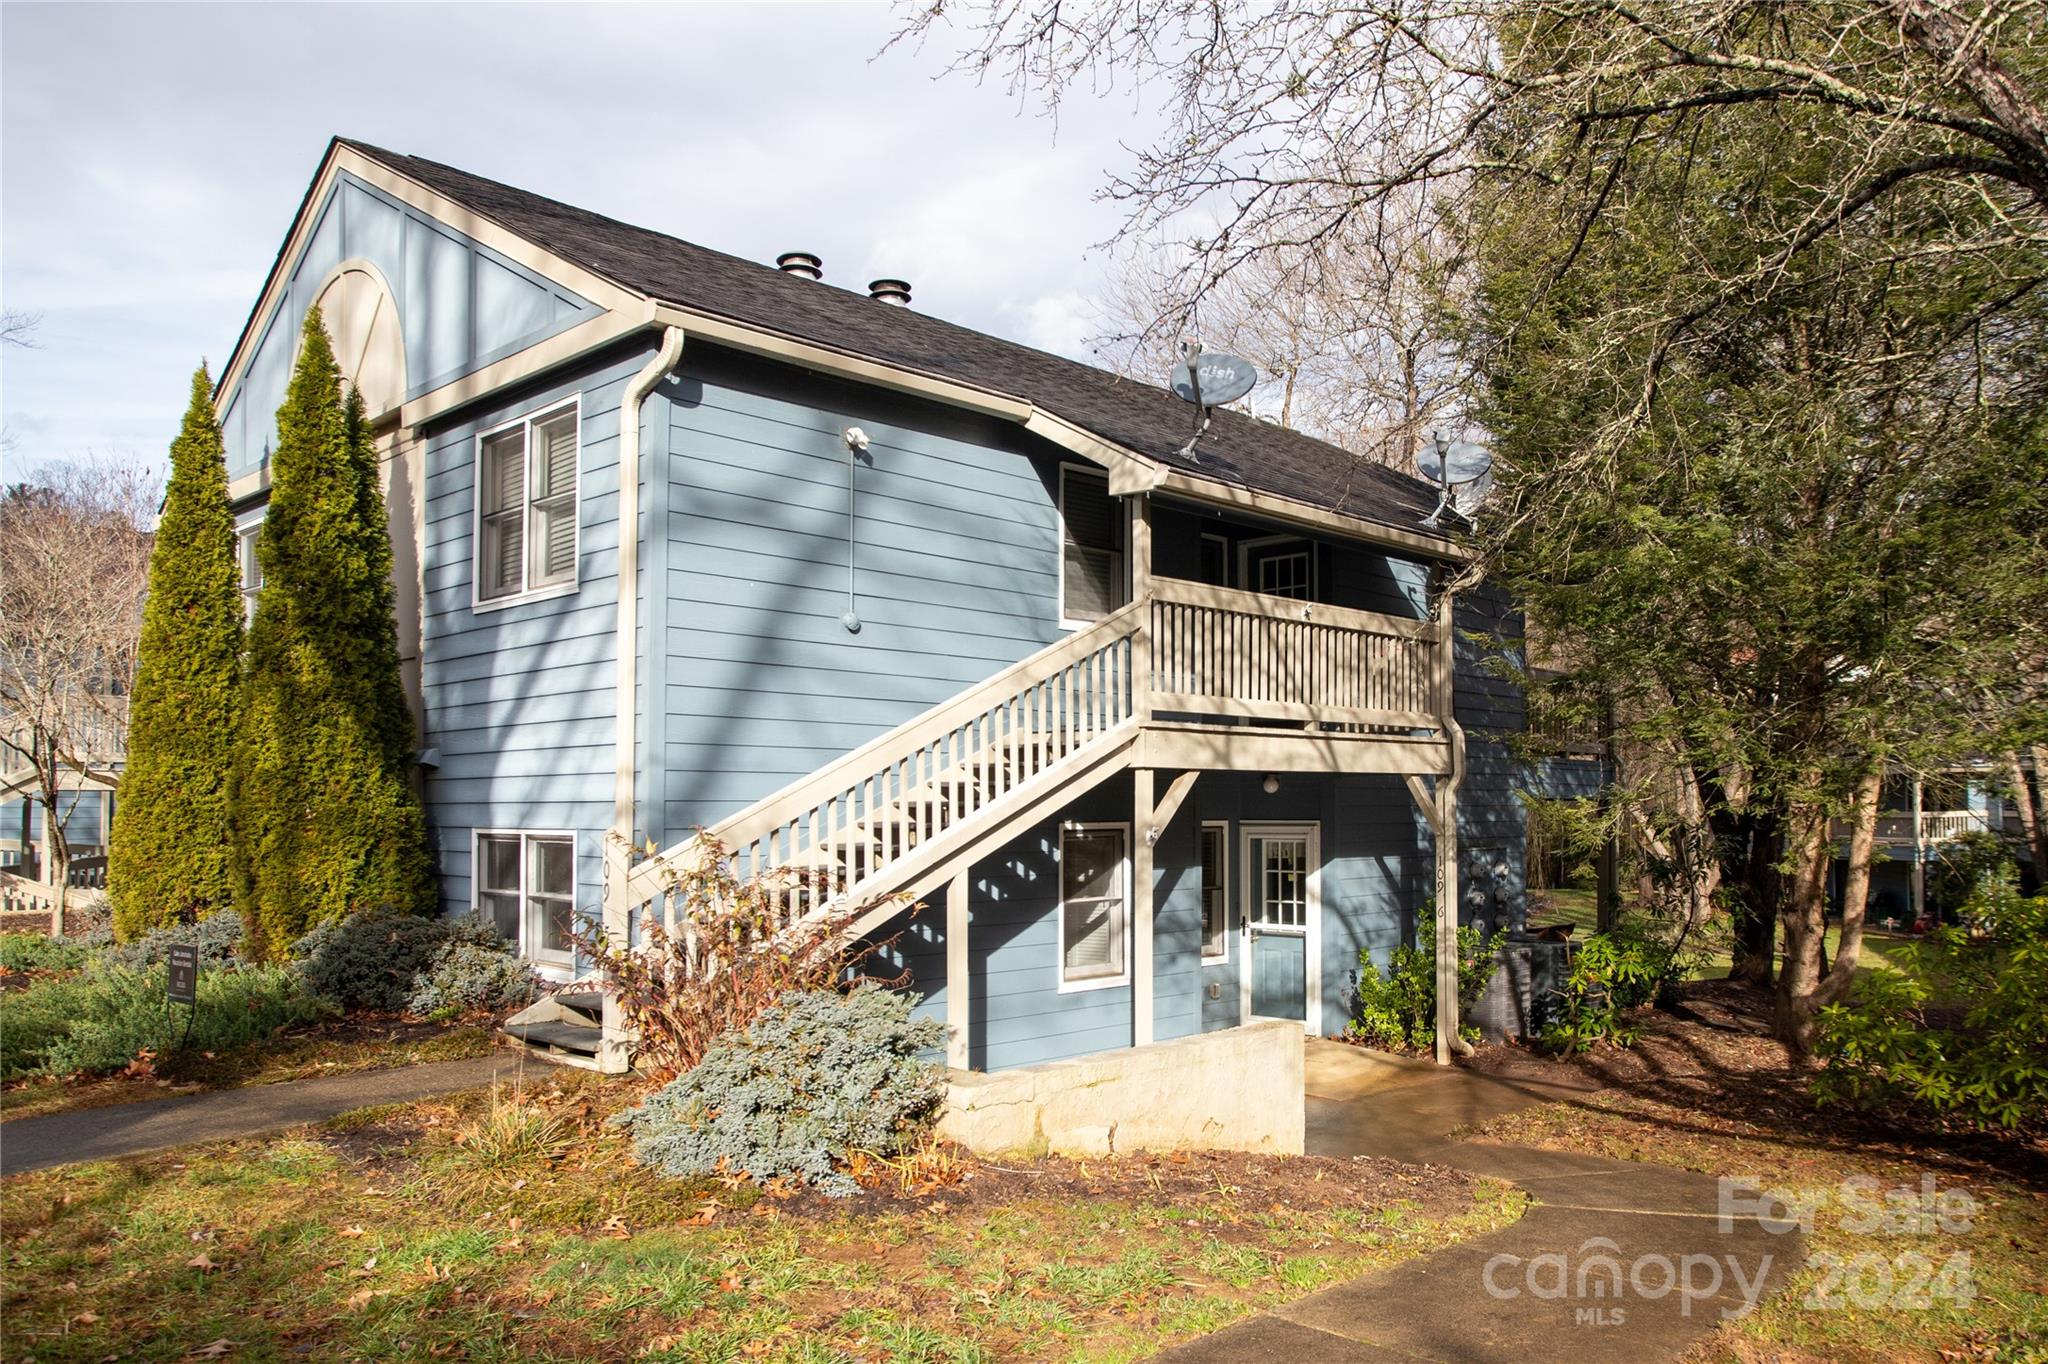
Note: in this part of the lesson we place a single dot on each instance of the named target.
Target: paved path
(1535, 1291)
(159, 1124)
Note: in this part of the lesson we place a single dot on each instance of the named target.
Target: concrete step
(577, 1039)
(589, 1003)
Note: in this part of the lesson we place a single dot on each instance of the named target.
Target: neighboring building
(1922, 821)
(924, 609)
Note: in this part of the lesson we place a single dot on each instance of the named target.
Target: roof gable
(1142, 418)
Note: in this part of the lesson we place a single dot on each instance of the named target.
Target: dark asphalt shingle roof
(1140, 417)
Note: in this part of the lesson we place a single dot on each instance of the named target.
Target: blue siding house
(1160, 738)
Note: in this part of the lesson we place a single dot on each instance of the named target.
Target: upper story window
(250, 566)
(526, 505)
(1092, 578)
(1280, 566)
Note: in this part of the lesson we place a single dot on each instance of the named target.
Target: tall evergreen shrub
(326, 819)
(170, 859)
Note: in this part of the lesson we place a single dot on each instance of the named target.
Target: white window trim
(1059, 962)
(1123, 554)
(1315, 562)
(561, 962)
(248, 527)
(1222, 827)
(479, 604)
(1312, 932)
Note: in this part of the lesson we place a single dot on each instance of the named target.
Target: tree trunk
(1806, 919)
(1855, 890)
(1747, 845)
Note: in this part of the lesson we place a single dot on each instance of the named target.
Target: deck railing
(1936, 826)
(869, 822)
(1216, 651)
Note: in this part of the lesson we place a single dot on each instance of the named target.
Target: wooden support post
(1141, 591)
(959, 996)
(1141, 907)
(1169, 806)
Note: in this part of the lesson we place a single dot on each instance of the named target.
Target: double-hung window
(526, 505)
(250, 566)
(1092, 580)
(1095, 905)
(526, 889)
(1215, 892)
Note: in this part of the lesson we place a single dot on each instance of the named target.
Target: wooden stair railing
(887, 816)
(867, 824)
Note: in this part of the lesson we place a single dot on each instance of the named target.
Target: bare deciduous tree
(74, 562)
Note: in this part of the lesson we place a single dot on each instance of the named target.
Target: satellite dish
(1457, 462)
(1211, 378)
(1462, 471)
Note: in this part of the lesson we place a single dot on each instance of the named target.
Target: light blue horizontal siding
(520, 700)
(956, 552)
(1374, 876)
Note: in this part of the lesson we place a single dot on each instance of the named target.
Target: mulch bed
(1712, 1064)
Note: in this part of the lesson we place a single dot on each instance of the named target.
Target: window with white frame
(526, 889)
(1215, 892)
(1095, 905)
(1091, 547)
(250, 566)
(1285, 574)
(526, 505)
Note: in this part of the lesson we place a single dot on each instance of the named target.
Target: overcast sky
(151, 158)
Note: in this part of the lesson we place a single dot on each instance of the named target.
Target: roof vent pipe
(896, 291)
(800, 263)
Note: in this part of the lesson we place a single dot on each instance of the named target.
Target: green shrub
(379, 959)
(1612, 975)
(1962, 866)
(218, 938)
(40, 952)
(104, 1019)
(173, 843)
(1397, 1008)
(1960, 1029)
(468, 978)
(817, 1077)
(326, 820)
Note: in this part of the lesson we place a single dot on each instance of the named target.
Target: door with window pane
(1281, 922)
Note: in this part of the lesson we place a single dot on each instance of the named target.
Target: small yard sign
(183, 983)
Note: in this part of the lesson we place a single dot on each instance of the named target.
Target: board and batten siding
(460, 305)
(520, 698)
(956, 574)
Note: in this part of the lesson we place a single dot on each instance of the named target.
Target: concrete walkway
(1614, 1262)
(159, 1124)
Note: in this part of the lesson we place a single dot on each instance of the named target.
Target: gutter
(627, 642)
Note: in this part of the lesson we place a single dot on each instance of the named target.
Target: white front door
(1282, 971)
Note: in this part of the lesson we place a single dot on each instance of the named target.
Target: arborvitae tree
(171, 852)
(326, 818)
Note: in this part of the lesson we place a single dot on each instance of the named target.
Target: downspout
(1447, 1011)
(619, 842)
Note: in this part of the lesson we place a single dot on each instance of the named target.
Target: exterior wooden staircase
(1174, 678)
